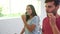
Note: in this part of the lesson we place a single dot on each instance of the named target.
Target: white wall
(11, 26)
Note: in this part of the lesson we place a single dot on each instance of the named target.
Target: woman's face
(29, 10)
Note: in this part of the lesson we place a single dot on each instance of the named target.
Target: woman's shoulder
(36, 16)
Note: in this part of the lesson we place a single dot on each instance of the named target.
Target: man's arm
(53, 25)
(55, 30)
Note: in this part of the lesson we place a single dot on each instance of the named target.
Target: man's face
(50, 7)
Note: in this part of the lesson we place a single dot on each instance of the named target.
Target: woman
(31, 21)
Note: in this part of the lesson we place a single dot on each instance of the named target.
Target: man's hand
(52, 19)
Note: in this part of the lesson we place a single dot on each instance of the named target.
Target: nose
(46, 9)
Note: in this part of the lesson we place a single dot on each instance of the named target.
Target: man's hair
(56, 2)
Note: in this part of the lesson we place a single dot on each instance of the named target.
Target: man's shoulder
(59, 16)
(45, 18)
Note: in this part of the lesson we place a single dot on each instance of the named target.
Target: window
(15, 8)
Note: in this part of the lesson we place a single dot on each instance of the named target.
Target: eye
(49, 6)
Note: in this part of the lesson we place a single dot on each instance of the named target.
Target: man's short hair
(56, 2)
(59, 2)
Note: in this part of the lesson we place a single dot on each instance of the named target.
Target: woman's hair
(33, 12)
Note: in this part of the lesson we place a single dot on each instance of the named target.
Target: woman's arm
(30, 28)
(22, 31)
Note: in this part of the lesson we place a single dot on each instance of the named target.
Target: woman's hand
(22, 31)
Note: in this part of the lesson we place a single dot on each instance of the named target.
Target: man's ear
(57, 7)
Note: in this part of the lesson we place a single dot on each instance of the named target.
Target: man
(51, 24)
